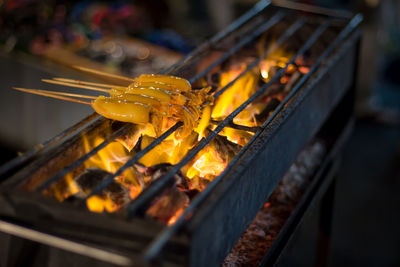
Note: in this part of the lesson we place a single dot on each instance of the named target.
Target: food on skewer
(156, 99)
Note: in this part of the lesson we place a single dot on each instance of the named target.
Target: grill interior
(302, 64)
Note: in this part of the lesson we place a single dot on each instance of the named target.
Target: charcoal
(198, 183)
(292, 81)
(130, 139)
(226, 149)
(159, 170)
(91, 177)
(168, 205)
(75, 199)
(272, 104)
(264, 229)
(192, 193)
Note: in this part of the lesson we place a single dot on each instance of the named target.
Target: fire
(210, 162)
(175, 217)
(98, 204)
(238, 93)
(110, 159)
(278, 58)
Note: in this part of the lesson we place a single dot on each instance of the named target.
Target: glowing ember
(264, 73)
(206, 165)
(175, 217)
(278, 58)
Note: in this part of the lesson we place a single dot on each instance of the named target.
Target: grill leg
(325, 225)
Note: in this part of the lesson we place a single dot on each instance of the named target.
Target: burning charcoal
(292, 81)
(226, 149)
(169, 205)
(271, 106)
(198, 183)
(154, 172)
(192, 193)
(115, 191)
(212, 159)
(130, 139)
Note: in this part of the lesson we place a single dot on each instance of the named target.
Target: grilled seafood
(158, 100)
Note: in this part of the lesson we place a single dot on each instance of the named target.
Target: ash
(259, 236)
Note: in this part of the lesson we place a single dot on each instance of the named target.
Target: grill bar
(81, 160)
(156, 246)
(313, 9)
(291, 30)
(159, 184)
(21, 178)
(64, 244)
(263, 28)
(260, 6)
(26, 156)
(131, 161)
(237, 126)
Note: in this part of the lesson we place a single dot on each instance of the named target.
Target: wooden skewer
(41, 92)
(104, 73)
(64, 94)
(86, 83)
(76, 85)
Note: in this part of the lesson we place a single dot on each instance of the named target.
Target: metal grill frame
(262, 145)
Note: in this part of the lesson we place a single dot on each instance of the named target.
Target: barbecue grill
(317, 101)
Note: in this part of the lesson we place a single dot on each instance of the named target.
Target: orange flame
(175, 217)
(208, 163)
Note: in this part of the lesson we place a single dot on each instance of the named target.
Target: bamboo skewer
(86, 83)
(64, 94)
(76, 85)
(104, 73)
(53, 95)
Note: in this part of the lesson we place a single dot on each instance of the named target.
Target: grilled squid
(154, 98)
(158, 100)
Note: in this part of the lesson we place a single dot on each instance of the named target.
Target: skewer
(86, 83)
(104, 73)
(64, 94)
(76, 85)
(44, 93)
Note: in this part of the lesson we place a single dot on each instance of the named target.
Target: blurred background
(42, 39)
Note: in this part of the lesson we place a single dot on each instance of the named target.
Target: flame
(109, 159)
(210, 161)
(239, 137)
(238, 93)
(208, 164)
(278, 58)
(98, 204)
(175, 217)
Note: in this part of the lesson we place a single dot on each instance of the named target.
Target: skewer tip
(57, 95)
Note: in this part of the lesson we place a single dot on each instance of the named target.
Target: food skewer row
(148, 99)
